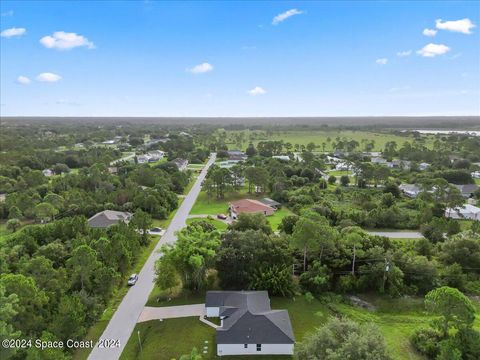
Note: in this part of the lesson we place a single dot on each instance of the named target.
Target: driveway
(123, 321)
(171, 312)
(228, 220)
(398, 234)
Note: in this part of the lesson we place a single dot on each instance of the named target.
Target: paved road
(123, 321)
(398, 234)
(171, 312)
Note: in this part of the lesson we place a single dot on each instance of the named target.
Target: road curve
(123, 321)
(398, 234)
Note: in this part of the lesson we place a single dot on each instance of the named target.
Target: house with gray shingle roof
(248, 325)
(467, 190)
(106, 218)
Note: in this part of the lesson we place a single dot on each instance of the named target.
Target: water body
(446, 132)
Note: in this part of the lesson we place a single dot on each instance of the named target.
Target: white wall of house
(453, 214)
(251, 349)
(212, 311)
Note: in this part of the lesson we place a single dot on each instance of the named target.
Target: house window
(259, 347)
(245, 346)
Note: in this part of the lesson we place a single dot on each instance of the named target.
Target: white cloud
(201, 68)
(462, 26)
(381, 61)
(65, 41)
(285, 15)
(13, 32)
(429, 32)
(257, 90)
(432, 50)
(404, 53)
(48, 77)
(23, 80)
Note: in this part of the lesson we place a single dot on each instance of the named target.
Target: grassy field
(477, 181)
(317, 137)
(396, 318)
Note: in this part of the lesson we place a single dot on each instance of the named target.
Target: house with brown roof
(249, 206)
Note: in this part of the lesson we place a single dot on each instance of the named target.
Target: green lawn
(219, 225)
(213, 206)
(275, 219)
(195, 166)
(158, 162)
(477, 181)
(192, 180)
(465, 224)
(396, 318)
(161, 298)
(340, 173)
(169, 339)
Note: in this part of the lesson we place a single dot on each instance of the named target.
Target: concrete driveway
(171, 312)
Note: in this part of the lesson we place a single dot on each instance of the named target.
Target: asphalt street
(123, 321)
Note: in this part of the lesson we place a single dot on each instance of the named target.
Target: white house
(476, 174)
(423, 166)
(410, 190)
(378, 160)
(155, 155)
(343, 166)
(142, 159)
(281, 157)
(248, 325)
(47, 172)
(467, 211)
(181, 164)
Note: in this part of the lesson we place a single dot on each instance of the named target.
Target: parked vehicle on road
(222, 216)
(132, 280)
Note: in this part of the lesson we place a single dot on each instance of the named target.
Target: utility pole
(139, 341)
(385, 271)
(353, 263)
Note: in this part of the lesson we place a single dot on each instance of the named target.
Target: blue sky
(148, 58)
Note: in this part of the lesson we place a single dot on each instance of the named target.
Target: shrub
(426, 341)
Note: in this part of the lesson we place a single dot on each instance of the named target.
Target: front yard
(213, 206)
(168, 339)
